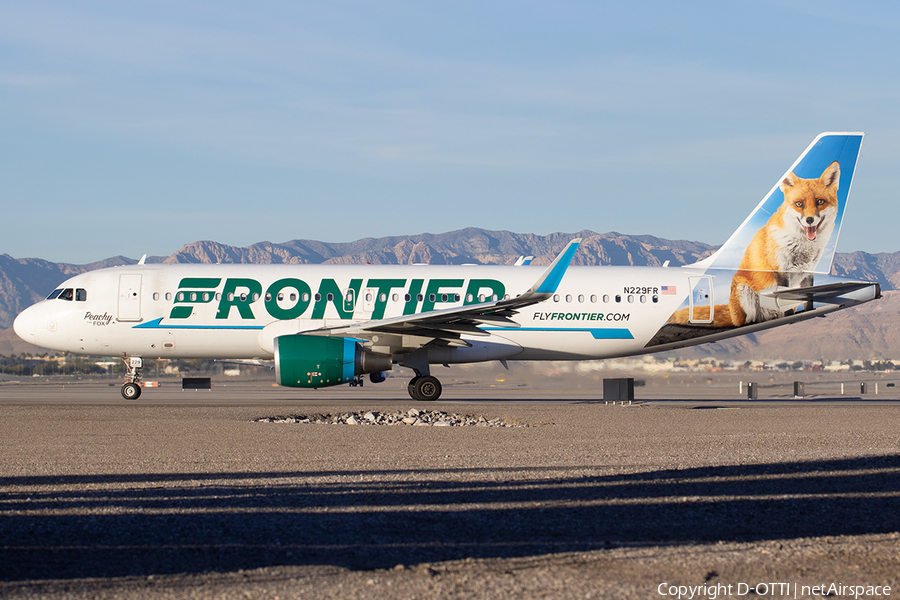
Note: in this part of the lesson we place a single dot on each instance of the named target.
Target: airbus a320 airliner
(325, 325)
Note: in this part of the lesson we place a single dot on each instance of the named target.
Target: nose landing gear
(131, 390)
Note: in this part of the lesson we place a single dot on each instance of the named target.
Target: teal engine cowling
(313, 361)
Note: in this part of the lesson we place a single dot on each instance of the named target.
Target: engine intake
(313, 361)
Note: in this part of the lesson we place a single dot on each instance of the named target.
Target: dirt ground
(184, 495)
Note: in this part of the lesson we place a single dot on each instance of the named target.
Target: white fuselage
(596, 312)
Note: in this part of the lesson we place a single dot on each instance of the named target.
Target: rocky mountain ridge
(25, 281)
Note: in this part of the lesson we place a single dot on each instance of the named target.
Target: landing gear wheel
(411, 388)
(131, 391)
(427, 389)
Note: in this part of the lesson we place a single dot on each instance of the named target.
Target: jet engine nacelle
(312, 361)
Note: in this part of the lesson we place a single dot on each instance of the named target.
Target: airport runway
(183, 494)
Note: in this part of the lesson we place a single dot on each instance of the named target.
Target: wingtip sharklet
(549, 281)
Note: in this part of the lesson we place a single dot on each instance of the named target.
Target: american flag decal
(667, 290)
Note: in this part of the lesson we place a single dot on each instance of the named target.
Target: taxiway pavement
(183, 494)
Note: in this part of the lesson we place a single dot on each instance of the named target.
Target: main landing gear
(425, 388)
(131, 390)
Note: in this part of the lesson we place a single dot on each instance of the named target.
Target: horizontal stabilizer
(819, 293)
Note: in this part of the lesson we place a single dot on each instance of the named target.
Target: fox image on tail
(782, 252)
(788, 246)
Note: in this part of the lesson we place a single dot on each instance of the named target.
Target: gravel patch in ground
(412, 417)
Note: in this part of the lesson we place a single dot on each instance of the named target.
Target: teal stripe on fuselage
(157, 324)
(598, 334)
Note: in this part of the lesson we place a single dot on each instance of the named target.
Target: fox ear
(790, 180)
(831, 176)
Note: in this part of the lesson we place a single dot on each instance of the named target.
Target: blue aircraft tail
(828, 162)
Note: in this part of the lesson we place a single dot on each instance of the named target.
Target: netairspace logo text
(772, 589)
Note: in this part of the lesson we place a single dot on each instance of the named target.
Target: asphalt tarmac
(182, 494)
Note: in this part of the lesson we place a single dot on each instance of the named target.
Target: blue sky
(131, 128)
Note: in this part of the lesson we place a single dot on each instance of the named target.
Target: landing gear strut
(131, 390)
(425, 388)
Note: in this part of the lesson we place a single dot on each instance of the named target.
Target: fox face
(811, 203)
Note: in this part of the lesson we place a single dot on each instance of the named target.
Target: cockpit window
(67, 294)
(80, 295)
(54, 294)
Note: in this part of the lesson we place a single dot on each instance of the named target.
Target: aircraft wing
(450, 323)
(247, 363)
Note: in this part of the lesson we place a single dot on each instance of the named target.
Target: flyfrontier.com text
(772, 589)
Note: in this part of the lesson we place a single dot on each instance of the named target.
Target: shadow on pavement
(112, 525)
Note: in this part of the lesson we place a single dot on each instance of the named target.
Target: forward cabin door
(129, 298)
(701, 299)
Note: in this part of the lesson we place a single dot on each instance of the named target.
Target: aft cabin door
(129, 298)
(701, 299)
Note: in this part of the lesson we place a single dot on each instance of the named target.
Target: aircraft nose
(24, 325)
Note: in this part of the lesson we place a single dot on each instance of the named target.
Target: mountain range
(24, 281)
